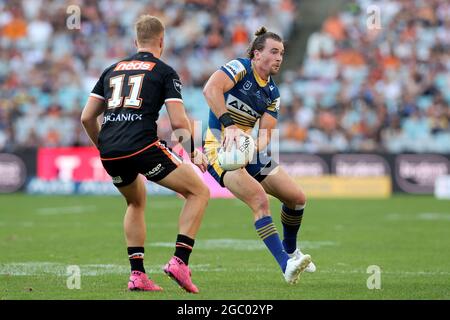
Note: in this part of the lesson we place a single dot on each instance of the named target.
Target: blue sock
(291, 220)
(268, 233)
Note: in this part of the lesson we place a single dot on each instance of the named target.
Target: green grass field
(407, 237)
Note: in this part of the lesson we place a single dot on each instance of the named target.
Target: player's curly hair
(260, 41)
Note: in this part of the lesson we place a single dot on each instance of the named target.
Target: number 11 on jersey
(132, 100)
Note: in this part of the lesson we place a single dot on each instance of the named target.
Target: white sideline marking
(241, 244)
(21, 224)
(427, 216)
(396, 273)
(59, 269)
(65, 210)
(394, 216)
(434, 216)
(84, 209)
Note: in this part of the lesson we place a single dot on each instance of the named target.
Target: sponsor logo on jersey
(177, 85)
(277, 105)
(271, 87)
(121, 117)
(134, 65)
(234, 67)
(154, 171)
(234, 102)
(274, 106)
(117, 179)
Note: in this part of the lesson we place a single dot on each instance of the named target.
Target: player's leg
(134, 220)
(135, 233)
(161, 165)
(239, 182)
(186, 182)
(132, 187)
(247, 189)
(282, 186)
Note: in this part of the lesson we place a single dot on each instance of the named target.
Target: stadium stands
(357, 89)
(372, 90)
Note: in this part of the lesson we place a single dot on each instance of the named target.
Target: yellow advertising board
(346, 187)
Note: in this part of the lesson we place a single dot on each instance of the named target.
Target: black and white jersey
(134, 90)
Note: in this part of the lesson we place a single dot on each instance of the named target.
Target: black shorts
(155, 162)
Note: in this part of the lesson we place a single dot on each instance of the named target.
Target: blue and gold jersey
(246, 102)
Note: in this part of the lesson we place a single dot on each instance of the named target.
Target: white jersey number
(131, 101)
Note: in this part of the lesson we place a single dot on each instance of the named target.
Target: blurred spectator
(376, 90)
(357, 89)
(47, 69)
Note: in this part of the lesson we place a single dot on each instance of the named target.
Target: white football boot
(298, 254)
(295, 266)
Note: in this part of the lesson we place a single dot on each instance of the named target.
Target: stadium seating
(356, 90)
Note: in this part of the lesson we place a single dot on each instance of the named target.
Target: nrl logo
(247, 85)
(177, 85)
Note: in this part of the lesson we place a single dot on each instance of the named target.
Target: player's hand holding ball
(199, 159)
(238, 153)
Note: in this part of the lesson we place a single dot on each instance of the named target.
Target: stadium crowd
(367, 89)
(357, 89)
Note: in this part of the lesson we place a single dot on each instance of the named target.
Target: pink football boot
(180, 272)
(140, 282)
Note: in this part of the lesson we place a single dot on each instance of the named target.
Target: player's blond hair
(148, 29)
(260, 41)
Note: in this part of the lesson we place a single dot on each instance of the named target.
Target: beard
(274, 70)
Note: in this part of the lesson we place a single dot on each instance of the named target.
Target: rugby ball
(239, 155)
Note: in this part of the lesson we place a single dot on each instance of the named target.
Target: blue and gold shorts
(258, 168)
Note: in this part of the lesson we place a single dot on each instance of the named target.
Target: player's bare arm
(266, 124)
(182, 129)
(89, 118)
(214, 90)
